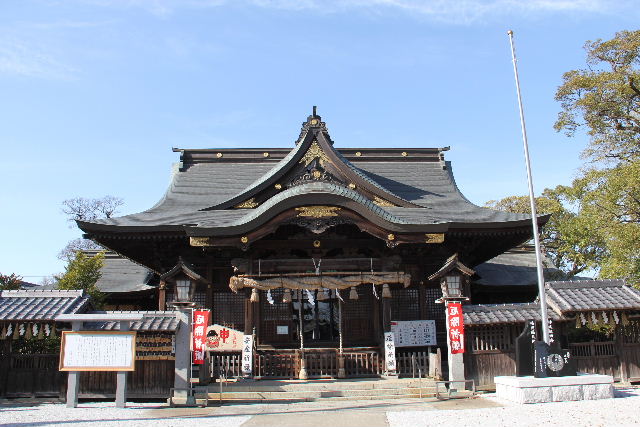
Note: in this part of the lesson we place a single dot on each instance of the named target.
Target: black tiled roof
(40, 305)
(516, 267)
(424, 184)
(592, 295)
(475, 315)
(154, 321)
(563, 299)
(121, 275)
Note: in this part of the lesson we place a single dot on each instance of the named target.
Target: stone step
(315, 396)
(320, 385)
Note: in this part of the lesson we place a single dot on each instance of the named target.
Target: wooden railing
(227, 365)
(321, 363)
(414, 364)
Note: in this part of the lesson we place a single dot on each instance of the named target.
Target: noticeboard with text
(414, 333)
(97, 351)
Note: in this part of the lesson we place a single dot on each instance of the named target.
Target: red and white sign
(221, 338)
(200, 323)
(455, 325)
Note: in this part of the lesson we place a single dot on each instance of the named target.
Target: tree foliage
(83, 272)
(604, 98)
(9, 282)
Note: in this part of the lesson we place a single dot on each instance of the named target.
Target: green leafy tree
(10, 282)
(83, 272)
(572, 247)
(604, 98)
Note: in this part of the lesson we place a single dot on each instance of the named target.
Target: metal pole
(534, 216)
(340, 324)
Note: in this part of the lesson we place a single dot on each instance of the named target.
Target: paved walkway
(475, 412)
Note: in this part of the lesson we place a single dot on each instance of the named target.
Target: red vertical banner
(199, 333)
(455, 325)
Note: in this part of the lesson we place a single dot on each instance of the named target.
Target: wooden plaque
(97, 351)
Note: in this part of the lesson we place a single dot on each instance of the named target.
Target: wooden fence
(491, 352)
(37, 375)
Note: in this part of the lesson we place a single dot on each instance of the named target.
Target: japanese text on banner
(455, 323)
(200, 323)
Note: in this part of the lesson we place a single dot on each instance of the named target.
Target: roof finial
(314, 111)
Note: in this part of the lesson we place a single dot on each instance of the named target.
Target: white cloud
(21, 58)
(451, 11)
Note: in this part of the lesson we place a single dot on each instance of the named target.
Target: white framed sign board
(97, 351)
(414, 333)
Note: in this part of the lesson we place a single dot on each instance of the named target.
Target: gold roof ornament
(318, 211)
(382, 202)
(434, 237)
(244, 239)
(248, 204)
(314, 152)
(200, 241)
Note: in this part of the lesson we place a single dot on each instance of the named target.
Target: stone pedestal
(554, 389)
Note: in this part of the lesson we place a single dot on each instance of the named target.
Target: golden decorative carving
(382, 202)
(358, 153)
(352, 186)
(404, 154)
(434, 237)
(318, 211)
(265, 154)
(244, 239)
(201, 241)
(278, 186)
(317, 174)
(391, 236)
(247, 204)
(314, 152)
(219, 155)
(316, 243)
(314, 121)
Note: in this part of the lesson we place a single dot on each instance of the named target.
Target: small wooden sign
(98, 351)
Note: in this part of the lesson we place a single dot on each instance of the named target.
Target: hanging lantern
(323, 294)
(353, 294)
(254, 295)
(386, 292)
(286, 298)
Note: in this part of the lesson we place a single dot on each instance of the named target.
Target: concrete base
(554, 389)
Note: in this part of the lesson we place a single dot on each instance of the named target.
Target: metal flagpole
(534, 216)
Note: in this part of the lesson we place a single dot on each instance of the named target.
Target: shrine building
(311, 246)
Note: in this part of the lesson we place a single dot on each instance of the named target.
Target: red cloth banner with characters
(200, 324)
(455, 323)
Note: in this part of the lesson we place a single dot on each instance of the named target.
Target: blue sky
(95, 93)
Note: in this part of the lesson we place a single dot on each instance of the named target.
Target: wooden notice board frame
(63, 349)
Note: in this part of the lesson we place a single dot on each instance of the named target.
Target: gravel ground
(105, 414)
(482, 411)
(624, 410)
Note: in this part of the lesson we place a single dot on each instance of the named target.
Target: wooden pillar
(162, 296)
(386, 314)
(210, 278)
(377, 321)
(249, 313)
